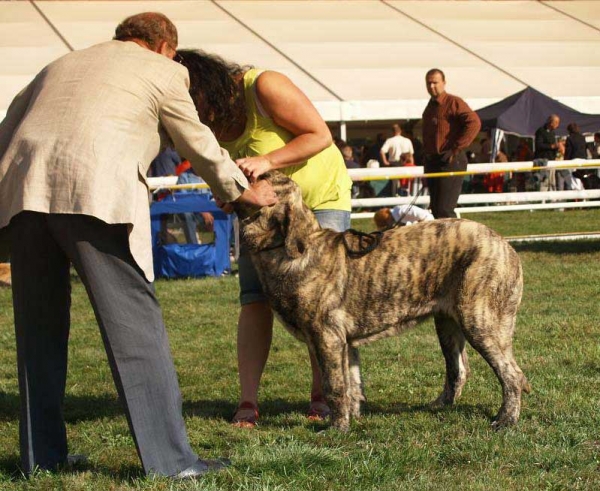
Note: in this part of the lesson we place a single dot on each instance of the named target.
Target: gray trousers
(130, 321)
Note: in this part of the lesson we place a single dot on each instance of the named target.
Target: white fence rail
(531, 200)
(492, 201)
(418, 171)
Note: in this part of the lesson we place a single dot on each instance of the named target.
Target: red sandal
(318, 410)
(248, 419)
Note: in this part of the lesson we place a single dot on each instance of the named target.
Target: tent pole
(343, 130)
(496, 135)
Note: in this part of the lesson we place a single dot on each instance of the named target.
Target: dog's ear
(297, 226)
(295, 234)
(292, 215)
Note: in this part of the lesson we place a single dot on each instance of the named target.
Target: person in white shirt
(405, 214)
(397, 151)
(394, 147)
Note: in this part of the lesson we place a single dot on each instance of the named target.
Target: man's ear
(165, 50)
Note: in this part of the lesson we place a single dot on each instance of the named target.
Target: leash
(369, 241)
(411, 204)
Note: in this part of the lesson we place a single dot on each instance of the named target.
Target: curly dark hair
(150, 27)
(214, 88)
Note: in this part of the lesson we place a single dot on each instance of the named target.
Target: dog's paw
(341, 425)
(502, 422)
(441, 402)
(355, 410)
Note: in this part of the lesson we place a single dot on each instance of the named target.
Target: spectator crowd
(400, 147)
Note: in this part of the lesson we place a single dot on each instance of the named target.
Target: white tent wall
(360, 60)
(27, 44)
(549, 46)
(371, 56)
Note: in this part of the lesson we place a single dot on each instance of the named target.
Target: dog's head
(288, 223)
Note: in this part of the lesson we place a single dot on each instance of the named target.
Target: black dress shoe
(201, 467)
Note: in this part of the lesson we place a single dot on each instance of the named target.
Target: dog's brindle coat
(459, 271)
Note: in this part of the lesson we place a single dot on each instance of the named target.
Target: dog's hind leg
(452, 342)
(493, 340)
(357, 395)
(332, 354)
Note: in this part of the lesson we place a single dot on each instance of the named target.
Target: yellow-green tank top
(323, 179)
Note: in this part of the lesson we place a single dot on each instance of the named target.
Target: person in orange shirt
(449, 127)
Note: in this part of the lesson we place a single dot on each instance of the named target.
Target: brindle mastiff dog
(459, 271)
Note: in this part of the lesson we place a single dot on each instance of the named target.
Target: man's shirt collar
(441, 98)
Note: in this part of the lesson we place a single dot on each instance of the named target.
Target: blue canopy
(190, 260)
(527, 110)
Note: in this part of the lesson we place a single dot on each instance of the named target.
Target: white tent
(356, 60)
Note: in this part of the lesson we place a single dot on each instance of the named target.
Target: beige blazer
(80, 138)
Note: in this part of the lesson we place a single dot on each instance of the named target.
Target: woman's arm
(287, 105)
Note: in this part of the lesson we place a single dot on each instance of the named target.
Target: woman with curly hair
(266, 122)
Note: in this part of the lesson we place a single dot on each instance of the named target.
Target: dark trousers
(444, 191)
(4, 245)
(130, 321)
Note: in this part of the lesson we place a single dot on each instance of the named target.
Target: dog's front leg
(331, 354)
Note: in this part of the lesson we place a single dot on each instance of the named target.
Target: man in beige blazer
(74, 150)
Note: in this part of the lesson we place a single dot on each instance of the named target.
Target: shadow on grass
(89, 408)
(10, 467)
(466, 410)
(272, 408)
(77, 408)
(560, 247)
(9, 405)
(219, 408)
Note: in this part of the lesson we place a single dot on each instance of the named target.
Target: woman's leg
(255, 331)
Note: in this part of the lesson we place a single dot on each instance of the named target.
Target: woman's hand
(254, 167)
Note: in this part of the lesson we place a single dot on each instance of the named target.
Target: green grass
(512, 223)
(399, 443)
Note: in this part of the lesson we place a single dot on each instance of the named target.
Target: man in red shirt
(449, 127)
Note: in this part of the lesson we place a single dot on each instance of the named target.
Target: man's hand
(254, 167)
(209, 221)
(449, 156)
(260, 193)
(225, 207)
